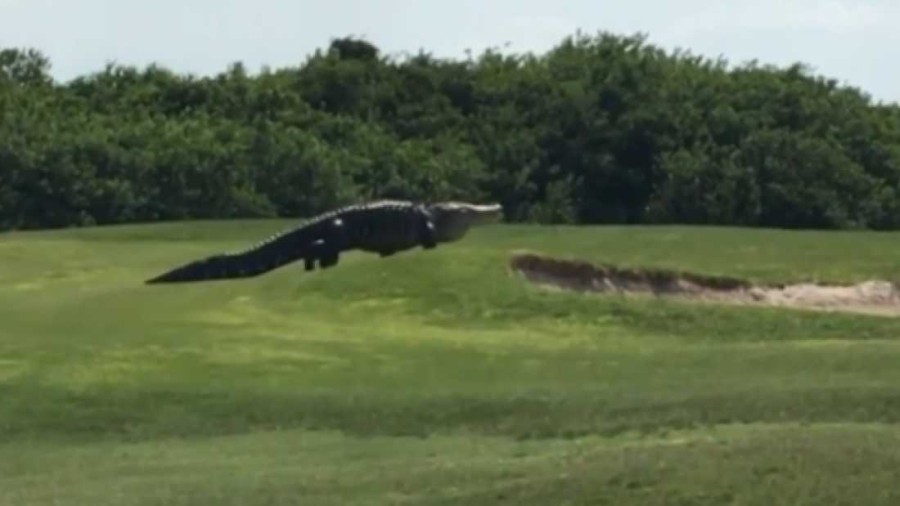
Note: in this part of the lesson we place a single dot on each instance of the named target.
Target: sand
(877, 297)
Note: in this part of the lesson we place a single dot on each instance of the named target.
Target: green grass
(438, 377)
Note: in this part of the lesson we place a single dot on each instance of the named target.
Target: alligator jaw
(486, 213)
(453, 219)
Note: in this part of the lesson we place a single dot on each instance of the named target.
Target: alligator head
(453, 219)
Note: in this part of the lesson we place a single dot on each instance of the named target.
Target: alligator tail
(280, 249)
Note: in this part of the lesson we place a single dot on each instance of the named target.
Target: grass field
(439, 378)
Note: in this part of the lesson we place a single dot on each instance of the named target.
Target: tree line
(600, 129)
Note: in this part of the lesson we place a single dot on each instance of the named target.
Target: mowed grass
(439, 377)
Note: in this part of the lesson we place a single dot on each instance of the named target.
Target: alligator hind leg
(426, 234)
(324, 252)
(329, 252)
(330, 257)
(309, 261)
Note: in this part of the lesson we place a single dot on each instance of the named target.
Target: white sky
(855, 41)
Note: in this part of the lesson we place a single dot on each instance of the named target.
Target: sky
(854, 41)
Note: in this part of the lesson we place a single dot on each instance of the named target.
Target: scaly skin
(383, 227)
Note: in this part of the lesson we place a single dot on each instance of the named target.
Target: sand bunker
(870, 297)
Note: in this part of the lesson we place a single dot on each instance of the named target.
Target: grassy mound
(439, 377)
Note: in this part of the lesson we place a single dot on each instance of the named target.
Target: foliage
(600, 129)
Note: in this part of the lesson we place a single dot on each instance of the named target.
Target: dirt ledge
(870, 297)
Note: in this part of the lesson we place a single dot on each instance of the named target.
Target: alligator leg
(330, 256)
(426, 233)
(330, 250)
(309, 261)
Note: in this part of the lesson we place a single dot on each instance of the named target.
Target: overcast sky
(856, 41)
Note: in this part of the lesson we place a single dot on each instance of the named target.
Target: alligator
(384, 227)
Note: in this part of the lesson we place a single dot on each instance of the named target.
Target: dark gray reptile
(383, 227)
